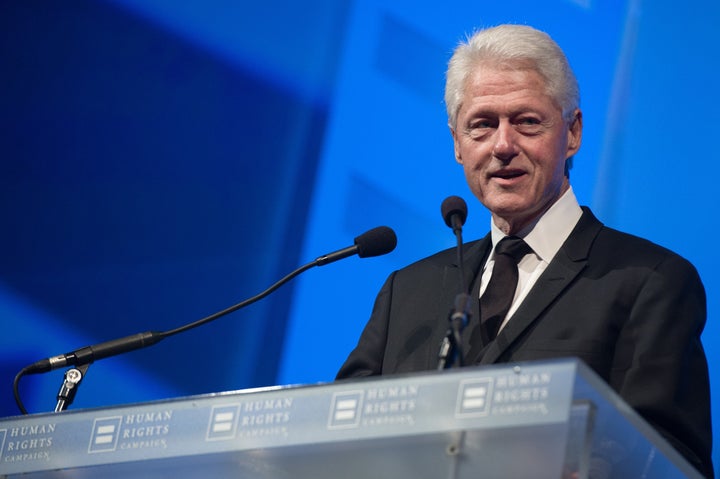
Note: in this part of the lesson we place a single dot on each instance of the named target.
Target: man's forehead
(506, 90)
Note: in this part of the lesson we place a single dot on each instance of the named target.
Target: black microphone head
(376, 242)
(454, 205)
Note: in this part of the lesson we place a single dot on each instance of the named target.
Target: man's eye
(529, 125)
(480, 124)
(529, 121)
(478, 129)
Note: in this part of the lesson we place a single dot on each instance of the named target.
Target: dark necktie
(497, 298)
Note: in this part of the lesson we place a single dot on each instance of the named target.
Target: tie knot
(513, 247)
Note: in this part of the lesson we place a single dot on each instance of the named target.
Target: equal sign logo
(474, 397)
(105, 434)
(223, 422)
(3, 434)
(345, 410)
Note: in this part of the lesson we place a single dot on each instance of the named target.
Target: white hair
(514, 46)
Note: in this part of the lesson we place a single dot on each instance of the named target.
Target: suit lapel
(569, 261)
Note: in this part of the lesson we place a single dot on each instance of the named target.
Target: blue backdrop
(163, 160)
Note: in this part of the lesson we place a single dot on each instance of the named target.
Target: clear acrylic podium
(553, 419)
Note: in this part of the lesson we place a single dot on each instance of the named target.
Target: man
(631, 310)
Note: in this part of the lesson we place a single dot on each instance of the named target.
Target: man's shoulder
(612, 242)
(446, 257)
(612, 235)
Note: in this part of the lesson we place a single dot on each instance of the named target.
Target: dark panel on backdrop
(145, 184)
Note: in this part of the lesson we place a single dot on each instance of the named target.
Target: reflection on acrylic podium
(553, 419)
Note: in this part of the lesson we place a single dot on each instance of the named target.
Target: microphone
(375, 242)
(454, 212)
(89, 354)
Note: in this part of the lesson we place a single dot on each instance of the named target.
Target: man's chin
(512, 218)
(510, 207)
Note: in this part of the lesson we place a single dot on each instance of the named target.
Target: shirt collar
(548, 233)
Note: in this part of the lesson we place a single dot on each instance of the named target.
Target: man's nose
(505, 146)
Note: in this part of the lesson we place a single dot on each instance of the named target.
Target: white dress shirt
(545, 236)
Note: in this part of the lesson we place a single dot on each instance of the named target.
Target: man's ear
(574, 133)
(456, 146)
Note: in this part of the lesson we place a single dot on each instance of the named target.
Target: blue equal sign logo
(105, 434)
(345, 410)
(474, 397)
(223, 422)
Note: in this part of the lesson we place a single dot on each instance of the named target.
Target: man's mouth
(508, 174)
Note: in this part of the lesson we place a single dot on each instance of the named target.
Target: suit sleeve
(367, 357)
(660, 366)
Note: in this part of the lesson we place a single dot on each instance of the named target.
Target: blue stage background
(163, 160)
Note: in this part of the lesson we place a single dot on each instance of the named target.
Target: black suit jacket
(630, 309)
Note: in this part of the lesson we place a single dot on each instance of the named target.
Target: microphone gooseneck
(454, 212)
(375, 242)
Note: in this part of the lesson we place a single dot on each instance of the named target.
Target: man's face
(512, 141)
